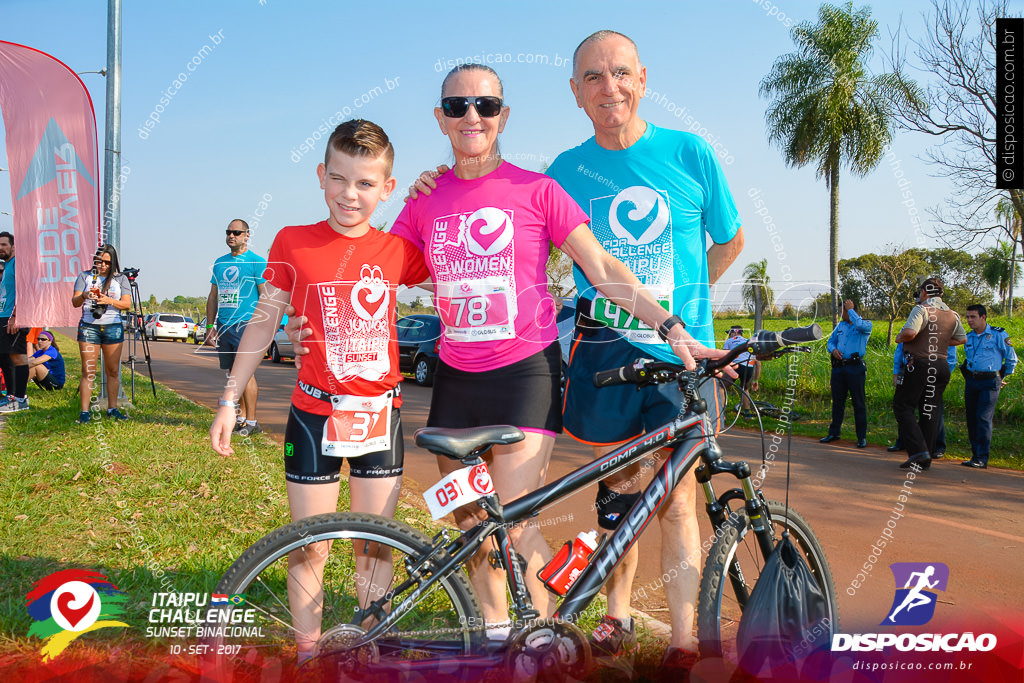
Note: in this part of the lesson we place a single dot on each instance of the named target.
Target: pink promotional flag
(51, 151)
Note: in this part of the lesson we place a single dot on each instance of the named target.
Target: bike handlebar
(762, 343)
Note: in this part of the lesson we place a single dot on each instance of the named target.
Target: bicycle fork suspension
(722, 515)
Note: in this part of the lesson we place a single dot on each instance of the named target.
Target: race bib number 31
(358, 425)
(458, 488)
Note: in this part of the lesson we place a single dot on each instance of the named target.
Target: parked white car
(167, 326)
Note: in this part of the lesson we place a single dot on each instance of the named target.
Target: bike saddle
(461, 443)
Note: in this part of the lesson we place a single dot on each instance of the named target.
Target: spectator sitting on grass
(46, 366)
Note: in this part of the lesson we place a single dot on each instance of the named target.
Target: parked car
(191, 325)
(281, 347)
(198, 334)
(167, 326)
(419, 337)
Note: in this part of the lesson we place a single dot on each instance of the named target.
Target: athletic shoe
(238, 426)
(14, 405)
(610, 639)
(676, 664)
(84, 417)
(116, 414)
(248, 430)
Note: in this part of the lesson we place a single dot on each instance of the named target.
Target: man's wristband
(209, 327)
(670, 322)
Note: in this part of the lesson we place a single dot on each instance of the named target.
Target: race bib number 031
(358, 425)
(458, 488)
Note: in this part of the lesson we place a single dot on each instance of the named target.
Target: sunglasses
(236, 233)
(102, 260)
(456, 107)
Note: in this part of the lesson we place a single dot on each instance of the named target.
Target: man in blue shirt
(234, 291)
(13, 346)
(899, 364)
(847, 345)
(654, 197)
(989, 359)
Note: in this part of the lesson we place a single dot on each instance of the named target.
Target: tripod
(134, 331)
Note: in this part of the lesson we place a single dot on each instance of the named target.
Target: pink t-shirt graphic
(486, 244)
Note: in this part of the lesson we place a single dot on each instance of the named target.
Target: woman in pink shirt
(485, 231)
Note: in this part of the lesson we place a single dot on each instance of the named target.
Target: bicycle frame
(691, 437)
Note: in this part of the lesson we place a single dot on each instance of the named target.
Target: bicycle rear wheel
(723, 594)
(444, 622)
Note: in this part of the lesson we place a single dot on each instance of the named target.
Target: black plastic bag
(783, 617)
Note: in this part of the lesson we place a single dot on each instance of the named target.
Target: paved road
(967, 519)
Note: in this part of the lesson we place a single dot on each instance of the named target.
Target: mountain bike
(394, 601)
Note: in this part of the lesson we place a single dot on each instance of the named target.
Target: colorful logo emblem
(916, 586)
(68, 603)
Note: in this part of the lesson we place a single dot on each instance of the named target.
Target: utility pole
(111, 233)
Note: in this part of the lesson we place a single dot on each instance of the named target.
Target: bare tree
(959, 50)
(884, 282)
(559, 271)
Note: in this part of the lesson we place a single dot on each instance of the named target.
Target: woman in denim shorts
(103, 293)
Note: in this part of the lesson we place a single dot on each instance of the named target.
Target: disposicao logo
(68, 603)
(914, 605)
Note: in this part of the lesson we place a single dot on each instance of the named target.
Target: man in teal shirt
(234, 291)
(654, 197)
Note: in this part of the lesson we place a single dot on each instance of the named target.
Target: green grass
(814, 402)
(146, 502)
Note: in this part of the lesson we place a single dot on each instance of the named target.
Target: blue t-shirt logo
(639, 214)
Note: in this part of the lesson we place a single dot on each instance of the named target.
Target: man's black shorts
(12, 343)
(228, 338)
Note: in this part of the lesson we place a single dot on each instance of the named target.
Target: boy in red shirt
(342, 275)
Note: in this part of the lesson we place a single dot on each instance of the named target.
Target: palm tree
(998, 269)
(827, 109)
(1007, 213)
(756, 279)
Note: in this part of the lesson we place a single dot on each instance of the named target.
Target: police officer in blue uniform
(989, 359)
(847, 344)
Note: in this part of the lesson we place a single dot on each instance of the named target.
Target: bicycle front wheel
(318, 584)
(724, 591)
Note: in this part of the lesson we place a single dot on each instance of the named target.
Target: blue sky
(231, 135)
